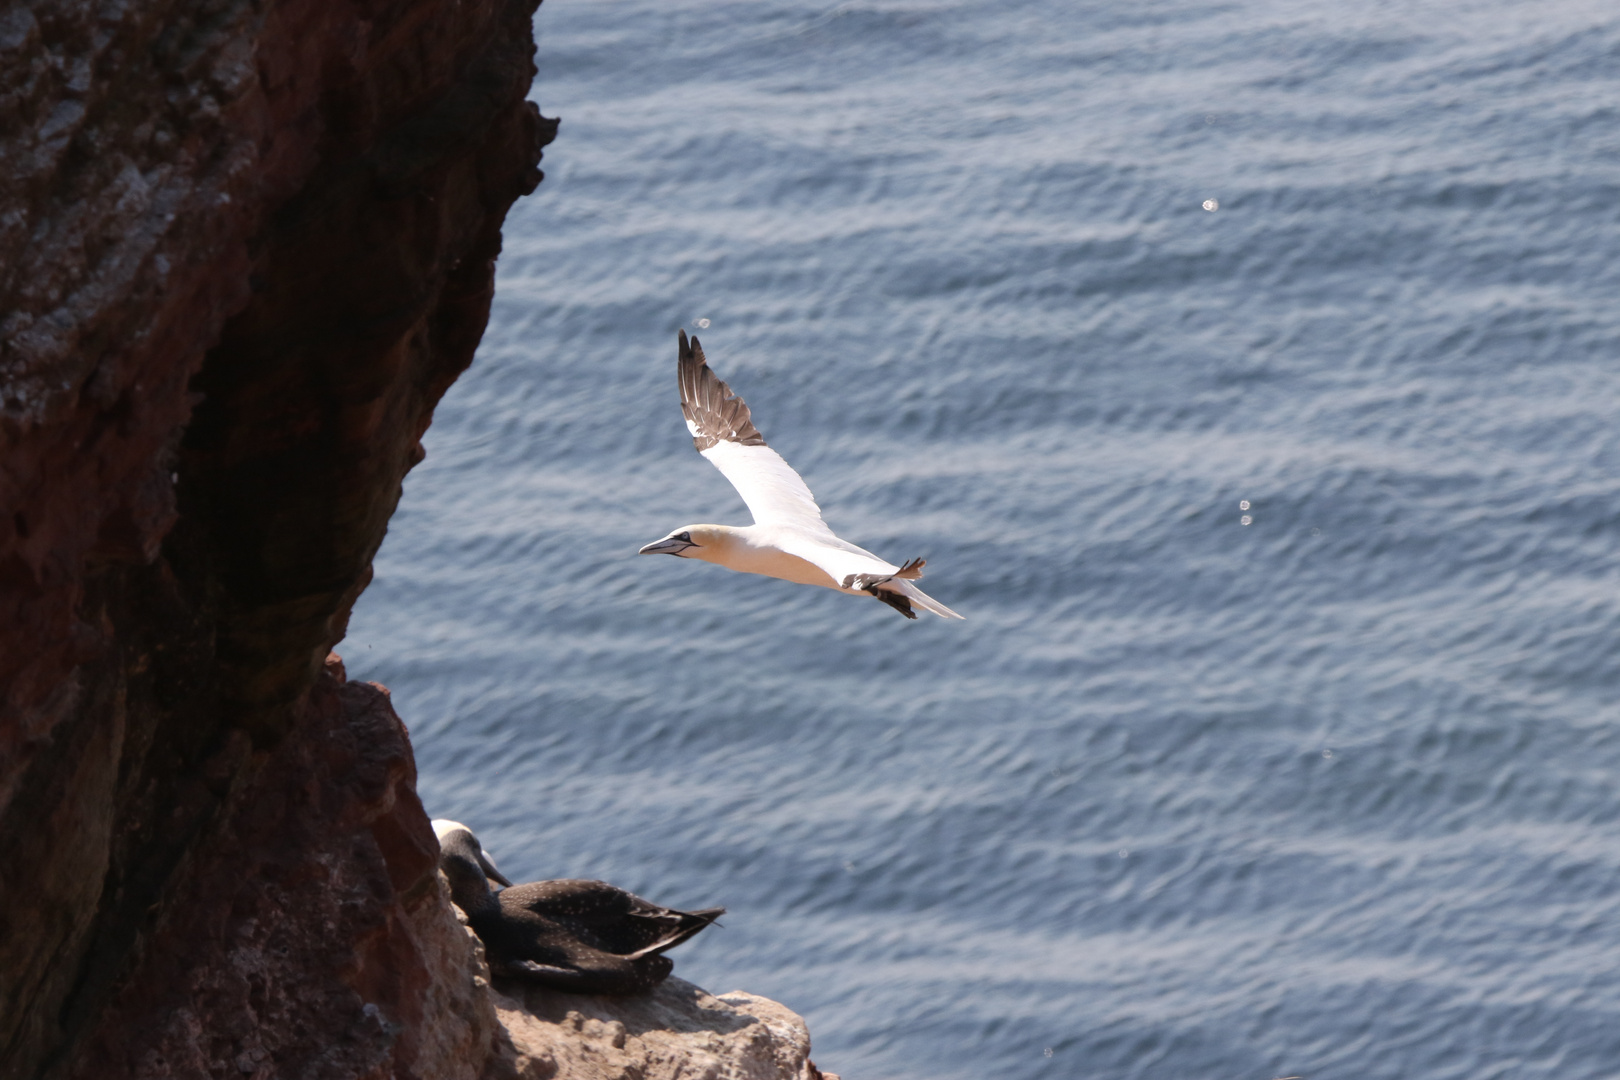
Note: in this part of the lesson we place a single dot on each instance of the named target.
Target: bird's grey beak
(670, 546)
(488, 866)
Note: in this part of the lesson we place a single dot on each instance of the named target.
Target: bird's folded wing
(570, 897)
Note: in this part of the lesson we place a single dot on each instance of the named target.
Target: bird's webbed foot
(899, 601)
(873, 583)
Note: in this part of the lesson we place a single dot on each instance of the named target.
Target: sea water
(1247, 372)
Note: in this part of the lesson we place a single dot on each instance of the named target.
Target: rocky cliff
(244, 248)
(245, 245)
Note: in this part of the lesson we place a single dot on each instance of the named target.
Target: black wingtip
(691, 350)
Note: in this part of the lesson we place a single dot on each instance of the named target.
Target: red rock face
(244, 248)
(318, 942)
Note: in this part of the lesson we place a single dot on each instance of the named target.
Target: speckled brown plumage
(584, 936)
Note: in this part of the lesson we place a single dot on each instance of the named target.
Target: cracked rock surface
(674, 1032)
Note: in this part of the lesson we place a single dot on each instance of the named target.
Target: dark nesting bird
(586, 936)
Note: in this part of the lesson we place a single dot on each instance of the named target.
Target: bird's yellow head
(706, 542)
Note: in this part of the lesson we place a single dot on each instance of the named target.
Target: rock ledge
(677, 1031)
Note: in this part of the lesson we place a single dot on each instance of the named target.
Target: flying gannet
(585, 936)
(788, 539)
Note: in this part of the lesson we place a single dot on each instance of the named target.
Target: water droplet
(1048, 1051)
(1316, 532)
(1124, 852)
(1246, 519)
(1327, 753)
(1243, 505)
(1212, 205)
(703, 324)
(849, 867)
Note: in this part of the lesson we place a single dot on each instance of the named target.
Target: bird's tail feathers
(920, 598)
(690, 923)
(898, 592)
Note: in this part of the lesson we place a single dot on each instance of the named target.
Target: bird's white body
(788, 539)
(775, 551)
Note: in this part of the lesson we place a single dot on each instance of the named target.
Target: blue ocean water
(1282, 735)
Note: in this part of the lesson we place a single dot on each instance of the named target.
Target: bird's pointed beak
(488, 866)
(668, 546)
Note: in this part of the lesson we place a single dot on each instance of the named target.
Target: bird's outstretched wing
(724, 433)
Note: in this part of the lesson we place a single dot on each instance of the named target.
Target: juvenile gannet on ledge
(788, 539)
(585, 936)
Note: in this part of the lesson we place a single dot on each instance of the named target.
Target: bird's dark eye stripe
(685, 537)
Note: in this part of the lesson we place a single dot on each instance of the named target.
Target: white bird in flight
(788, 539)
